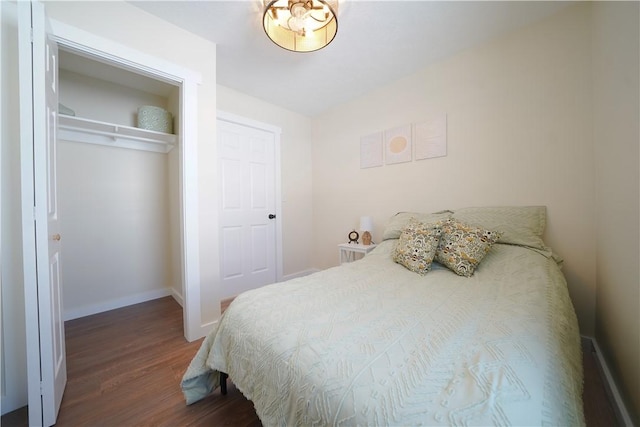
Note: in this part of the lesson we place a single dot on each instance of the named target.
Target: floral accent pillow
(417, 246)
(463, 246)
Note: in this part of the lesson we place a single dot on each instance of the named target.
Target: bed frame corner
(223, 383)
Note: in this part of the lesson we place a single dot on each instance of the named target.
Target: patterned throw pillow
(417, 246)
(462, 246)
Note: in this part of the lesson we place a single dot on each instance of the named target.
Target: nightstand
(348, 251)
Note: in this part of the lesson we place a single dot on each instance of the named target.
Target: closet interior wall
(119, 207)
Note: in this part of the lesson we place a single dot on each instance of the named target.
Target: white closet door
(46, 357)
(246, 159)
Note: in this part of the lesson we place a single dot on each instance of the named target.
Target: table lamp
(366, 226)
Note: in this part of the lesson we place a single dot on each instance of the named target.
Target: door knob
(56, 237)
(271, 216)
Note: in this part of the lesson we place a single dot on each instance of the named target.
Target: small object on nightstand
(366, 238)
(353, 237)
(366, 226)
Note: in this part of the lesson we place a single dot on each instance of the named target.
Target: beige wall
(519, 133)
(112, 204)
(616, 114)
(295, 147)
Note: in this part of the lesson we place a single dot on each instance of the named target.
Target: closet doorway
(39, 41)
(118, 188)
(105, 82)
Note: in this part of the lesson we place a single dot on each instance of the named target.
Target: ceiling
(377, 43)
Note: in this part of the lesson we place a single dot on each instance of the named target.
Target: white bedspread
(371, 343)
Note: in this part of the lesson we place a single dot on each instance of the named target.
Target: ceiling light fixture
(301, 25)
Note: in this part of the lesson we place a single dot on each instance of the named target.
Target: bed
(377, 342)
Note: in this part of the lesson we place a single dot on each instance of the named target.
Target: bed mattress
(372, 343)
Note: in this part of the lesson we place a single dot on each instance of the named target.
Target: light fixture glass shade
(301, 25)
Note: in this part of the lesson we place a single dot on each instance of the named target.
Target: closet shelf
(77, 129)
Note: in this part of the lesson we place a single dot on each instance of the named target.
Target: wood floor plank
(125, 366)
(124, 369)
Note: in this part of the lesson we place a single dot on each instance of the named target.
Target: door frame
(276, 131)
(89, 45)
(86, 44)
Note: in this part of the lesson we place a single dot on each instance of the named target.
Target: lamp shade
(366, 223)
(300, 25)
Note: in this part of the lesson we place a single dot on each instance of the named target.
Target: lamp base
(366, 238)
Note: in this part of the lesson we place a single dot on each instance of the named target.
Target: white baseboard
(299, 274)
(207, 327)
(11, 403)
(612, 389)
(101, 307)
(177, 296)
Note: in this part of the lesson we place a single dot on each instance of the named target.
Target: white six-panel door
(247, 176)
(41, 235)
(58, 352)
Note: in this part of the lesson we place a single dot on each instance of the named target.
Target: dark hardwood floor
(124, 369)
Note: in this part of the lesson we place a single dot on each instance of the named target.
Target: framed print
(397, 145)
(371, 150)
(431, 138)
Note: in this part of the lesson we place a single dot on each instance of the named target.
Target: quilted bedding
(371, 343)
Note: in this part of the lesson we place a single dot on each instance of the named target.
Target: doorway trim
(89, 45)
(276, 131)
